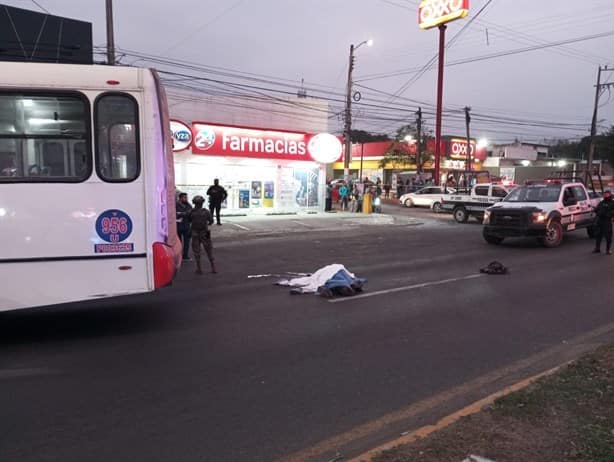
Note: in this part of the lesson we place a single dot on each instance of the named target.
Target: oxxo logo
(205, 138)
(459, 149)
(182, 135)
(434, 12)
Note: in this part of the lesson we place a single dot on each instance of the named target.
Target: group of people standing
(193, 223)
(350, 195)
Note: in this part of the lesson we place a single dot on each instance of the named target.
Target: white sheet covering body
(311, 283)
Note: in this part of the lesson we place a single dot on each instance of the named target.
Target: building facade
(270, 157)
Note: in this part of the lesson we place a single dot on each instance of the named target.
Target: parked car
(429, 196)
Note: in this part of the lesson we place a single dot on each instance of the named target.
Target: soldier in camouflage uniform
(201, 218)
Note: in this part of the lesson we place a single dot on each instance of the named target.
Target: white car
(425, 197)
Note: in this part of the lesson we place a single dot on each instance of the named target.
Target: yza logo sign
(181, 134)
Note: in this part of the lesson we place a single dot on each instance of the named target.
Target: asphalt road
(229, 367)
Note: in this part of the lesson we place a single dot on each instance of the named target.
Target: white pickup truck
(545, 210)
(473, 203)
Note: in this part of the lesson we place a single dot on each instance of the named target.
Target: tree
(405, 149)
(566, 149)
(361, 136)
(604, 145)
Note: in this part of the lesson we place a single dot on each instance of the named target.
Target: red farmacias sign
(432, 13)
(223, 140)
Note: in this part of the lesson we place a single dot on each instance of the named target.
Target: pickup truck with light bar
(545, 210)
(473, 203)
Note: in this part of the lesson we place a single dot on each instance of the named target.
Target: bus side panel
(26, 285)
(56, 220)
(52, 248)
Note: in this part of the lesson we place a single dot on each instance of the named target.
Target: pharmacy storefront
(263, 171)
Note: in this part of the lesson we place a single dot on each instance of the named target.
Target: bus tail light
(164, 264)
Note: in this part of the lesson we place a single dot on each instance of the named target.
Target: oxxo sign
(458, 148)
(432, 13)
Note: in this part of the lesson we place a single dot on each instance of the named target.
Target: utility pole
(468, 166)
(591, 150)
(419, 140)
(442, 47)
(348, 120)
(110, 36)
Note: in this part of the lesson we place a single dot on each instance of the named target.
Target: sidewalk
(237, 227)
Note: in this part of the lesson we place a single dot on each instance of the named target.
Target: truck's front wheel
(460, 214)
(554, 235)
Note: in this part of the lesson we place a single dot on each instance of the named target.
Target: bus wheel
(460, 214)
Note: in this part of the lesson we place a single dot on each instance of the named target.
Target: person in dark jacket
(603, 223)
(217, 194)
(183, 209)
(201, 218)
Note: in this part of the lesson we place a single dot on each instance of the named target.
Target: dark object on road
(494, 267)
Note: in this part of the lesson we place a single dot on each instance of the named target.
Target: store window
(44, 137)
(306, 187)
(117, 138)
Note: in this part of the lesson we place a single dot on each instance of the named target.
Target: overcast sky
(294, 40)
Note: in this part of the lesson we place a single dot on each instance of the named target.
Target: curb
(448, 420)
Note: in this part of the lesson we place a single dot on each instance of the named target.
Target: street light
(348, 110)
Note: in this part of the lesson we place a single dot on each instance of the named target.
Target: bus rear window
(117, 138)
(44, 138)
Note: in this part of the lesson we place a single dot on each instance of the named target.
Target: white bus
(87, 199)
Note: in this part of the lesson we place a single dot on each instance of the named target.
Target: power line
(202, 26)
(41, 7)
(491, 55)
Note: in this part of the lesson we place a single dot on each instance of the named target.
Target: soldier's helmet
(198, 200)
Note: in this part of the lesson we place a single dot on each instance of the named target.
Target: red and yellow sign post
(432, 13)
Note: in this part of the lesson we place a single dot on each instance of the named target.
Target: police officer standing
(183, 209)
(201, 218)
(217, 194)
(603, 223)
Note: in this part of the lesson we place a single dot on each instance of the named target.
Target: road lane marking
(25, 373)
(411, 287)
(302, 224)
(244, 228)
